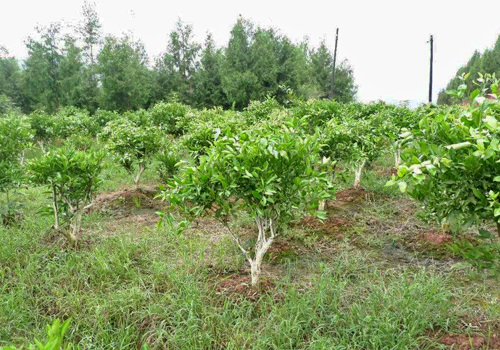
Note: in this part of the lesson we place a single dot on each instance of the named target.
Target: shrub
(73, 177)
(267, 171)
(168, 160)
(15, 138)
(134, 146)
(356, 142)
(452, 166)
(171, 117)
(43, 126)
(55, 337)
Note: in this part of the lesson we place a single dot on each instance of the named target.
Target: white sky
(385, 41)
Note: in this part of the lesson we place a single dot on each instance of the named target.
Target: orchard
(305, 223)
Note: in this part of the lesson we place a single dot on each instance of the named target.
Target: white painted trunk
(322, 205)
(261, 248)
(255, 271)
(56, 209)
(266, 237)
(74, 228)
(357, 174)
(139, 174)
(397, 157)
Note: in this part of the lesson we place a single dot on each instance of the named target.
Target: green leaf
(491, 122)
(474, 94)
(321, 214)
(497, 212)
(402, 186)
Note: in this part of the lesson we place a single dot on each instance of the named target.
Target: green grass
(132, 283)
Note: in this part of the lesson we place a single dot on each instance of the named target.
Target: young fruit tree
(355, 142)
(73, 177)
(401, 120)
(43, 126)
(452, 165)
(172, 117)
(134, 146)
(15, 138)
(268, 171)
(167, 159)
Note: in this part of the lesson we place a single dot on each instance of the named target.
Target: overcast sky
(385, 41)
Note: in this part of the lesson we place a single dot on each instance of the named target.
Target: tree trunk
(322, 205)
(357, 178)
(498, 229)
(56, 209)
(75, 225)
(139, 174)
(261, 247)
(397, 157)
(256, 263)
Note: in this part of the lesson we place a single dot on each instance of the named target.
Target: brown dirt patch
(329, 226)
(434, 238)
(121, 203)
(278, 247)
(281, 250)
(348, 196)
(240, 286)
(431, 242)
(351, 194)
(471, 342)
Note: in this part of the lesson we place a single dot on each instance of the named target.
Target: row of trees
(270, 161)
(267, 160)
(486, 63)
(79, 66)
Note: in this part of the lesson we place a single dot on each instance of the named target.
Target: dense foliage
(15, 139)
(452, 162)
(78, 66)
(133, 145)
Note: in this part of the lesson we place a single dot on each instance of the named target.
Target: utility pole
(431, 41)
(332, 82)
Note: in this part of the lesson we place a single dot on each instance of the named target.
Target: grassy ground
(373, 276)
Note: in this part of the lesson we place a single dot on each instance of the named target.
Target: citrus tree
(400, 121)
(43, 126)
(355, 142)
(134, 146)
(319, 112)
(203, 134)
(15, 138)
(451, 165)
(268, 171)
(171, 117)
(73, 177)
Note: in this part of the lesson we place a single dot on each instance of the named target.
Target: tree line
(79, 66)
(478, 64)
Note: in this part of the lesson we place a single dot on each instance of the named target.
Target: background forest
(78, 65)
